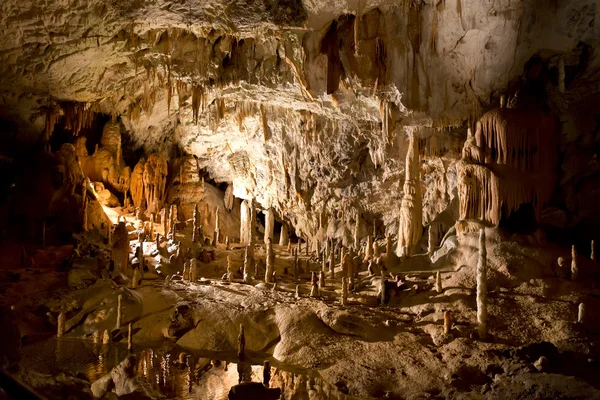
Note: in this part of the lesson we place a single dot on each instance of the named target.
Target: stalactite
(228, 197)
(169, 94)
(198, 102)
(264, 123)
(459, 8)
(519, 152)
(356, 35)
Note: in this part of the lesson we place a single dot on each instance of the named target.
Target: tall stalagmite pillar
(269, 224)
(411, 211)
(244, 222)
(482, 287)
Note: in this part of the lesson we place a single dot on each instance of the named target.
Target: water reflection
(174, 372)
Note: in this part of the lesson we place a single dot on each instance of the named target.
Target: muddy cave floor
(360, 350)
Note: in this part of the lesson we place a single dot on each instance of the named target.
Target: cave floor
(321, 348)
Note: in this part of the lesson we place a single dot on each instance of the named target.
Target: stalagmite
(357, 233)
(482, 287)
(297, 291)
(270, 261)
(186, 271)
(321, 281)
(369, 248)
(382, 290)
(248, 265)
(430, 241)
(581, 313)
(306, 247)
(217, 227)
(593, 252)
(226, 242)
(344, 291)
(438, 282)
(376, 250)
(269, 224)
(229, 269)
(289, 246)
(196, 225)
(129, 338)
(119, 311)
(284, 238)
(136, 278)
(106, 337)
(295, 263)
(244, 222)
(252, 225)
(332, 262)
(314, 288)
(410, 227)
(574, 267)
(164, 217)
(447, 321)
(62, 320)
(96, 337)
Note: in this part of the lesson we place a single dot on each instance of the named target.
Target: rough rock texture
(304, 105)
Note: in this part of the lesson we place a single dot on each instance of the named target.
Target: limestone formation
(196, 227)
(217, 236)
(438, 282)
(284, 239)
(500, 170)
(357, 233)
(129, 338)
(447, 321)
(369, 248)
(344, 299)
(482, 287)
(230, 270)
(430, 241)
(62, 320)
(295, 251)
(119, 311)
(581, 313)
(593, 251)
(193, 270)
(574, 267)
(269, 224)
(186, 271)
(410, 227)
(332, 262)
(106, 337)
(270, 261)
(297, 291)
(248, 265)
(321, 281)
(226, 242)
(314, 288)
(245, 222)
(136, 278)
